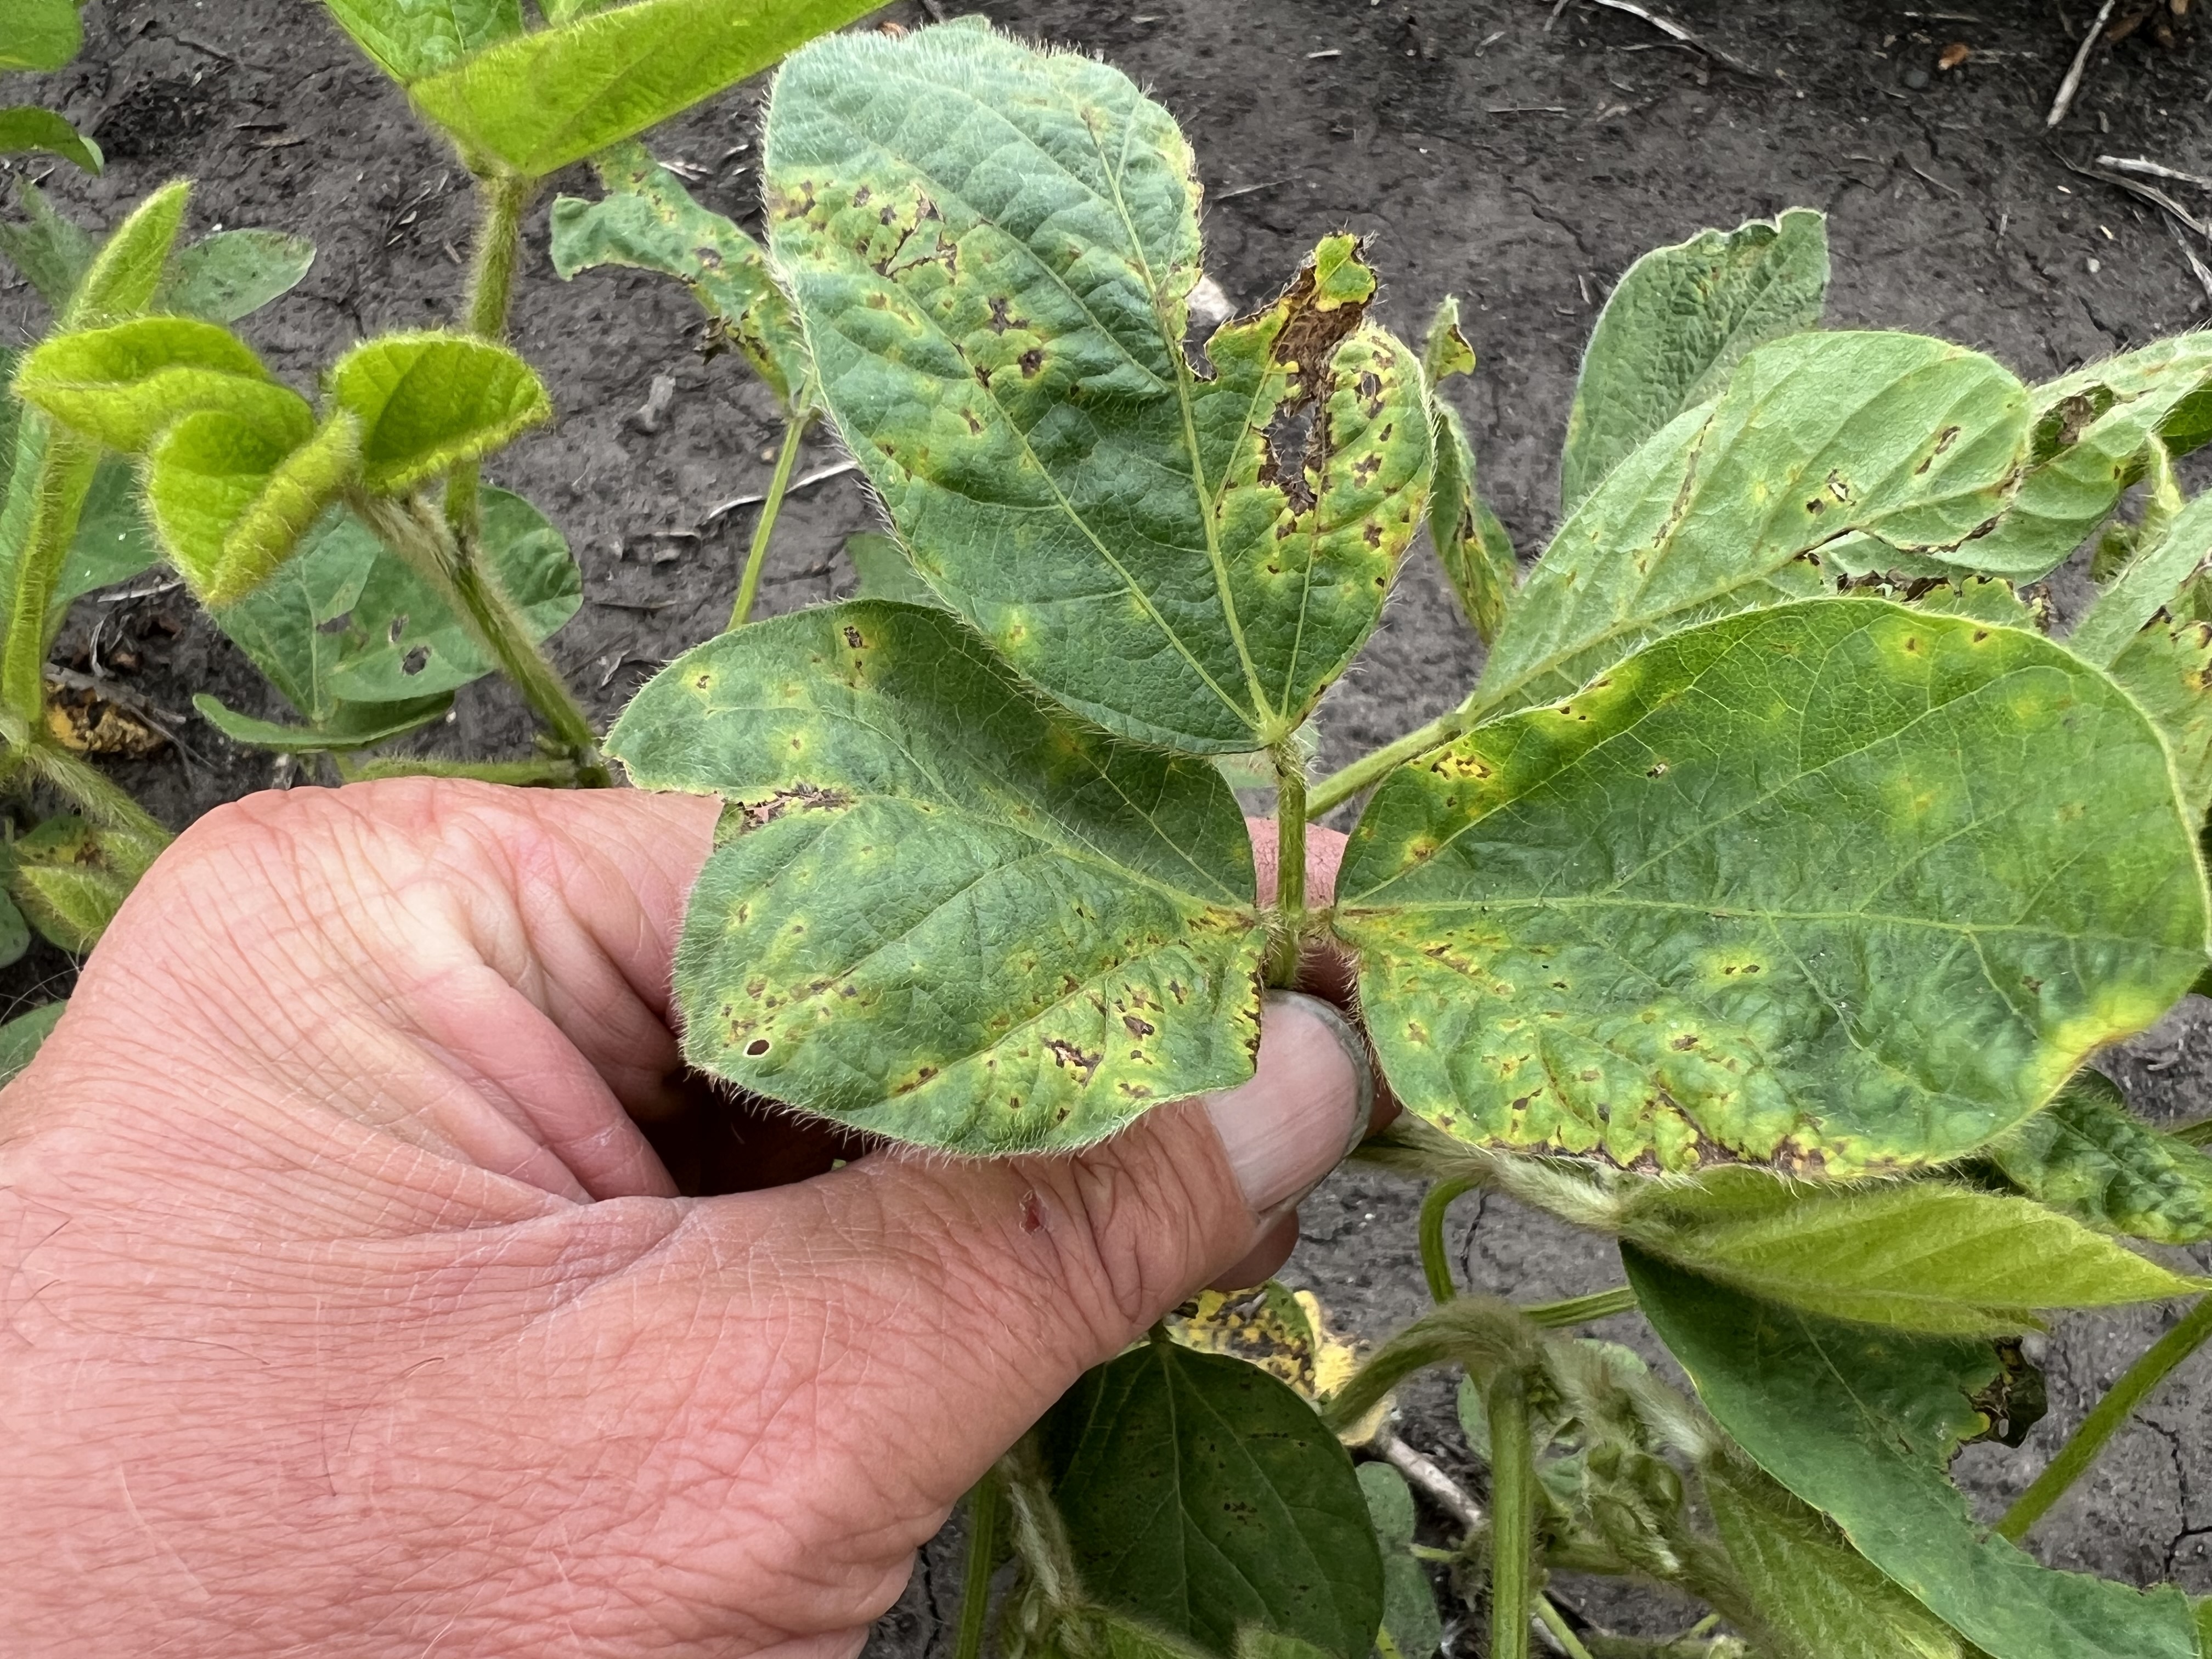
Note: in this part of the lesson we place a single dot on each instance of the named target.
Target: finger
(1264, 1260)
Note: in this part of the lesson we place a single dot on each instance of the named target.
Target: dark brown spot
(758, 1047)
(852, 638)
(800, 797)
(1031, 360)
(1065, 1054)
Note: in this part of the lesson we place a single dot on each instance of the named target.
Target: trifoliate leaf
(2088, 1155)
(428, 401)
(410, 39)
(2145, 586)
(943, 911)
(1910, 440)
(126, 384)
(991, 248)
(2168, 668)
(70, 876)
(1677, 324)
(1200, 1495)
(233, 273)
(294, 625)
(231, 505)
(1778, 889)
(123, 275)
(1861, 1424)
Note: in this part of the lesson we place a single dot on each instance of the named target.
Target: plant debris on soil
(1518, 153)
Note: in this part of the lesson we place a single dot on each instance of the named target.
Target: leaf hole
(758, 1047)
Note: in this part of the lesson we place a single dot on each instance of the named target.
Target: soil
(1516, 152)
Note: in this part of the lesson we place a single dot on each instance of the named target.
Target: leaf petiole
(1562, 1631)
(1290, 863)
(1371, 768)
(2105, 1419)
(491, 288)
(764, 526)
(985, 1501)
(1435, 1264)
(66, 462)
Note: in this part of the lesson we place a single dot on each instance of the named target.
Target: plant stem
(1562, 1631)
(429, 548)
(491, 290)
(1340, 787)
(764, 526)
(984, 1502)
(1512, 1514)
(1290, 864)
(1581, 1309)
(1436, 1267)
(2104, 1420)
(99, 797)
(65, 468)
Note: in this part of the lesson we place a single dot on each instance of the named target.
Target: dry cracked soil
(1518, 153)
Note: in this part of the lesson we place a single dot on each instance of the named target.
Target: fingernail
(1304, 1109)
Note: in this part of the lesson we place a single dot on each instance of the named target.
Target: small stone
(2095, 266)
(1915, 77)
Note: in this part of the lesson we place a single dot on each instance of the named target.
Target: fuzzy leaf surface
(233, 273)
(2147, 585)
(1776, 889)
(886, 572)
(1676, 325)
(2090, 429)
(410, 39)
(352, 726)
(1917, 1255)
(1203, 1497)
(2089, 1155)
(124, 384)
(53, 252)
(403, 643)
(647, 220)
(1862, 1424)
(535, 103)
(1819, 1597)
(942, 910)
(29, 127)
(991, 248)
(21, 1036)
(70, 876)
(123, 275)
(1470, 542)
(39, 35)
(294, 625)
(426, 401)
(231, 501)
(1906, 439)
(2168, 668)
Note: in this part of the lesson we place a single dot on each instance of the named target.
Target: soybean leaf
(233, 273)
(1910, 440)
(70, 876)
(15, 939)
(647, 220)
(426, 401)
(1776, 889)
(535, 103)
(2139, 592)
(2088, 1155)
(1473, 547)
(294, 625)
(1817, 1596)
(21, 1036)
(1861, 1424)
(2168, 668)
(1677, 324)
(113, 541)
(1203, 1497)
(886, 573)
(942, 910)
(352, 726)
(1410, 1618)
(53, 252)
(410, 39)
(405, 643)
(2090, 431)
(28, 127)
(991, 248)
(1919, 1255)
(124, 384)
(39, 35)
(1985, 598)
(123, 277)
(231, 503)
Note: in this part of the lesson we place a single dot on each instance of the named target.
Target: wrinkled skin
(350, 1310)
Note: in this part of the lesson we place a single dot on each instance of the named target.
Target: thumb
(946, 1305)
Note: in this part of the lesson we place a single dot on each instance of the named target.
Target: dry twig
(2197, 268)
(2152, 170)
(1675, 31)
(2072, 84)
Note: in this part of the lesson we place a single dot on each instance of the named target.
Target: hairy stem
(1436, 1266)
(1512, 1514)
(984, 1502)
(1338, 787)
(1290, 864)
(66, 467)
(94, 794)
(764, 526)
(2104, 1420)
(429, 548)
(504, 201)
(1581, 1309)
(1562, 1631)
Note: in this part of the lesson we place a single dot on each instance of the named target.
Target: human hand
(349, 1312)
